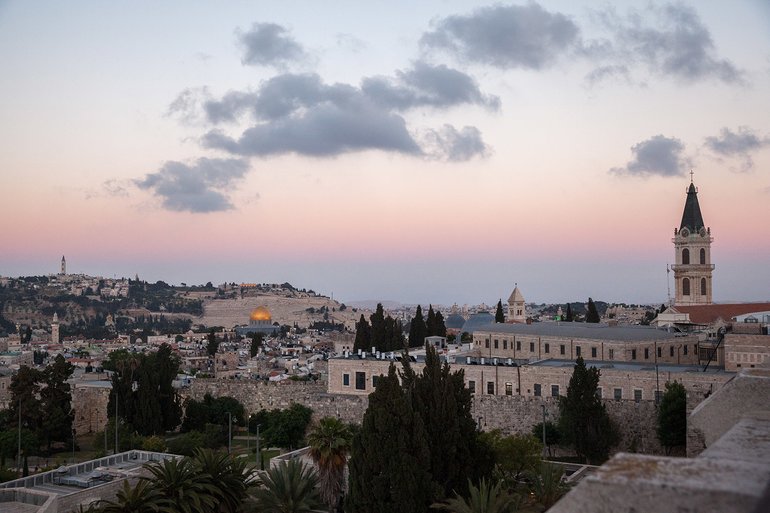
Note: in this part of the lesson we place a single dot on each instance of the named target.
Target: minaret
(63, 266)
(692, 254)
(517, 308)
(55, 329)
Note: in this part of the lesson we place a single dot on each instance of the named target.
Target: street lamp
(229, 431)
(543, 406)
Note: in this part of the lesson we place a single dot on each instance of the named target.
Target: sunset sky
(434, 151)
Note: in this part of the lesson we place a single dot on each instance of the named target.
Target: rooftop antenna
(668, 283)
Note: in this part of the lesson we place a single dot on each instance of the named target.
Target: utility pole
(116, 422)
(259, 457)
(18, 459)
(229, 432)
(543, 406)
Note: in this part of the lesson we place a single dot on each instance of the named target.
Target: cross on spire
(691, 173)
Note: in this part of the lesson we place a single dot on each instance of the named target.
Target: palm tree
(230, 476)
(330, 444)
(547, 485)
(287, 488)
(484, 499)
(180, 482)
(142, 498)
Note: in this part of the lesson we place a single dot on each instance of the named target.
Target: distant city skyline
(438, 152)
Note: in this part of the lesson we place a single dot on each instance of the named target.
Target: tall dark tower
(63, 266)
(692, 254)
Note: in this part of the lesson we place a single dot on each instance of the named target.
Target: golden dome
(260, 314)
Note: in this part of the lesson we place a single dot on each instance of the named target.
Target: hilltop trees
(384, 333)
(592, 314)
(583, 419)
(418, 330)
(435, 323)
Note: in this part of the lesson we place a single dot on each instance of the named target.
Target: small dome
(260, 314)
(478, 321)
(454, 322)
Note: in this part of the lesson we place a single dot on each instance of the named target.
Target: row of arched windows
(686, 286)
(686, 256)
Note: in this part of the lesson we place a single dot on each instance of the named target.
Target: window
(577, 350)
(685, 256)
(637, 395)
(496, 344)
(554, 390)
(658, 396)
(547, 348)
(346, 380)
(633, 354)
(375, 380)
(518, 345)
(505, 344)
(612, 354)
(509, 389)
(491, 387)
(671, 351)
(702, 256)
(593, 352)
(561, 349)
(486, 343)
(684, 349)
(599, 392)
(659, 353)
(703, 286)
(360, 381)
(685, 286)
(618, 392)
(531, 347)
(537, 390)
(646, 353)
(472, 387)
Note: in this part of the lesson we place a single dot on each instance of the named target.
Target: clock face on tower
(703, 232)
(684, 232)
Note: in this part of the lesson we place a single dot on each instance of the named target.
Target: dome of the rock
(260, 314)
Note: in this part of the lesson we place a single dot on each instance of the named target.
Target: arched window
(702, 256)
(685, 256)
(703, 286)
(686, 286)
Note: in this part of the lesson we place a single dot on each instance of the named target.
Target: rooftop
(581, 330)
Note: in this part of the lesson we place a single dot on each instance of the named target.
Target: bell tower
(692, 254)
(63, 268)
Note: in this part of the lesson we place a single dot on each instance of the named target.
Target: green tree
(213, 344)
(288, 487)
(178, 482)
(418, 330)
(256, 343)
(499, 315)
(435, 323)
(516, 455)
(486, 498)
(552, 434)
(592, 315)
(569, 317)
(547, 485)
(56, 399)
(583, 419)
(142, 498)
(285, 428)
(377, 320)
(672, 417)
(390, 461)
(363, 335)
(330, 443)
(228, 476)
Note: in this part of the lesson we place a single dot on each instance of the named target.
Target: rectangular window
(593, 352)
(509, 389)
(472, 387)
(518, 345)
(531, 347)
(537, 390)
(505, 344)
(375, 379)
(612, 354)
(599, 392)
(618, 394)
(633, 354)
(684, 349)
(496, 344)
(671, 351)
(658, 396)
(547, 348)
(491, 387)
(659, 352)
(646, 353)
(637, 395)
(360, 381)
(486, 343)
(561, 349)
(577, 350)
(346, 380)
(554, 390)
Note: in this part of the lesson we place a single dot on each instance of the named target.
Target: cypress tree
(440, 327)
(672, 417)
(378, 329)
(592, 315)
(569, 317)
(430, 322)
(363, 335)
(418, 330)
(499, 315)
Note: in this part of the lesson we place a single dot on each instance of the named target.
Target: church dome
(260, 313)
(454, 322)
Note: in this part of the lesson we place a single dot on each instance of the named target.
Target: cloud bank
(658, 155)
(269, 44)
(740, 144)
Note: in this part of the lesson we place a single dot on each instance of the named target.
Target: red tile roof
(707, 314)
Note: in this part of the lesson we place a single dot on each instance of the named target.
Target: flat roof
(632, 366)
(581, 330)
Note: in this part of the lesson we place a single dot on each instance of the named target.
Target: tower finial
(691, 173)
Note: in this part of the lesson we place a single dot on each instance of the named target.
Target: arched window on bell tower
(703, 286)
(686, 286)
(685, 256)
(702, 256)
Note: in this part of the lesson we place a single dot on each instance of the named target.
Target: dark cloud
(512, 36)
(198, 187)
(448, 143)
(737, 144)
(669, 40)
(269, 44)
(658, 155)
(299, 113)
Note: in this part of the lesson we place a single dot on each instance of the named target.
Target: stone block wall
(90, 406)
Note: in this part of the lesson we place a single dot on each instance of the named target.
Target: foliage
(435, 323)
(583, 419)
(142, 498)
(569, 317)
(179, 482)
(228, 476)
(256, 342)
(154, 444)
(330, 443)
(212, 411)
(283, 428)
(515, 456)
(288, 487)
(485, 498)
(499, 314)
(552, 434)
(592, 315)
(418, 330)
(363, 335)
(212, 344)
(547, 485)
(672, 417)
(55, 398)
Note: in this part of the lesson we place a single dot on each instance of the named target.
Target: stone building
(692, 254)
(517, 307)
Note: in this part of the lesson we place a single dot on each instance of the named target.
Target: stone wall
(90, 406)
